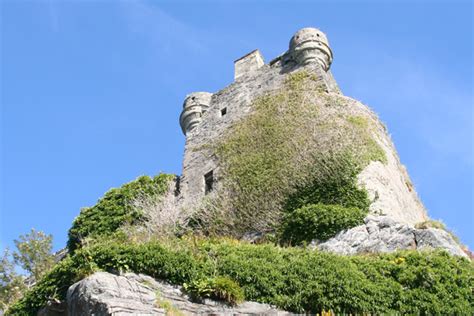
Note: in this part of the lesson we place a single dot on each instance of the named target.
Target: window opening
(208, 182)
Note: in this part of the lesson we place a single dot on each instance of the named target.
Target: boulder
(383, 234)
(135, 294)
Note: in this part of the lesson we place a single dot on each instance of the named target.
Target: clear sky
(91, 91)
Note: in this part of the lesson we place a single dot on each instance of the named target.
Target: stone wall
(388, 184)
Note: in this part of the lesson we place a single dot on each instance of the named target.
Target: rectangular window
(208, 182)
(223, 111)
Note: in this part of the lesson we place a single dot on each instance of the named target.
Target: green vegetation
(218, 288)
(298, 143)
(289, 168)
(373, 151)
(319, 221)
(33, 255)
(294, 279)
(114, 209)
(12, 285)
(439, 225)
(324, 207)
(169, 308)
(338, 186)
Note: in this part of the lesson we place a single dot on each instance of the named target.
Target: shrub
(295, 279)
(115, 209)
(34, 253)
(319, 221)
(12, 285)
(338, 186)
(219, 288)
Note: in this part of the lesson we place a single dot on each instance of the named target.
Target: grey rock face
(132, 294)
(106, 294)
(383, 234)
(53, 308)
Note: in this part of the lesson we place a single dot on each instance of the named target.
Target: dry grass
(162, 217)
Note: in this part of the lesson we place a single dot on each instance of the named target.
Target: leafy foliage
(34, 253)
(294, 279)
(337, 187)
(219, 288)
(115, 209)
(297, 141)
(12, 285)
(319, 221)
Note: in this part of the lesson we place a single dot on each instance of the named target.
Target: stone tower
(206, 116)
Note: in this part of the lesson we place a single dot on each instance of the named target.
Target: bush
(294, 279)
(12, 285)
(338, 186)
(319, 221)
(115, 209)
(218, 288)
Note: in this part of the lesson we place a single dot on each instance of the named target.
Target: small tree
(11, 284)
(34, 253)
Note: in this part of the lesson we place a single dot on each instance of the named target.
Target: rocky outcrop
(383, 234)
(131, 294)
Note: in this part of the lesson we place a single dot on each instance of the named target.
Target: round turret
(310, 45)
(194, 106)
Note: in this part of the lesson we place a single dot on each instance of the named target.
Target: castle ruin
(206, 116)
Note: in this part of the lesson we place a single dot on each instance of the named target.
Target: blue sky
(91, 91)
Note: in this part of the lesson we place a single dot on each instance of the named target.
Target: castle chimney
(248, 64)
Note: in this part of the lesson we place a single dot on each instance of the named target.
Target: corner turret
(310, 45)
(195, 105)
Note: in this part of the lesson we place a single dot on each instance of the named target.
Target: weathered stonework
(248, 64)
(309, 45)
(205, 119)
(194, 107)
